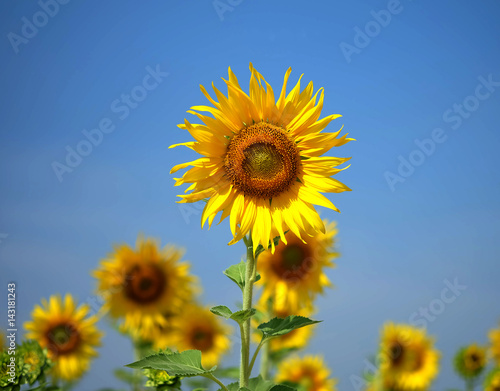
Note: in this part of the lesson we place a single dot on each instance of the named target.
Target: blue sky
(397, 71)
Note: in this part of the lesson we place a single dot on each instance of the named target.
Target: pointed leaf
(243, 315)
(221, 310)
(237, 274)
(186, 364)
(238, 316)
(279, 326)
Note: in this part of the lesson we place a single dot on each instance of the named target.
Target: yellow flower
(294, 274)
(408, 359)
(197, 328)
(144, 285)
(492, 381)
(309, 372)
(495, 344)
(470, 361)
(262, 163)
(69, 334)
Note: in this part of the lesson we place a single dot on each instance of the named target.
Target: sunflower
(143, 285)
(492, 381)
(262, 161)
(69, 334)
(470, 361)
(197, 328)
(408, 359)
(309, 372)
(495, 344)
(294, 274)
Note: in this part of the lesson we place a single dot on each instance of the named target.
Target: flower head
(143, 285)
(470, 361)
(295, 273)
(35, 361)
(309, 373)
(197, 328)
(69, 334)
(262, 163)
(408, 359)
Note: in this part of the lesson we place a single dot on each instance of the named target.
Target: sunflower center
(291, 263)
(202, 339)
(473, 361)
(63, 339)
(145, 283)
(410, 359)
(396, 352)
(262, 161)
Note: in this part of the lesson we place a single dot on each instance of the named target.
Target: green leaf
(237, 274)
(186, 364)
(279, 326)
(243, 315)
(221, 310)
(238, 316)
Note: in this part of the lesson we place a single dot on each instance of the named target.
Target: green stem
(264, 361)
(250, 273)
(212, 377)
(469, 385)
(250, 367)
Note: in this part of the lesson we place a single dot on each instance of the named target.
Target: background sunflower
(144, 286)
(408, 360)
(69, 334)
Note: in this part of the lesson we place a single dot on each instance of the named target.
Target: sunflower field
(191, 235)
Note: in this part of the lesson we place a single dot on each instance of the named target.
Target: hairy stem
(250, 273)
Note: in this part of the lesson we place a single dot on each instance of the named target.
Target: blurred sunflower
(69, 334)
(261, 161)
(197, 328)
(495, 344)
(143, 285)
(470, 361)
(309, 373)
(408, 359)
(294, 274)
(492, 381)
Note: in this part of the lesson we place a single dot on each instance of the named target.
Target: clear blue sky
(404, 229)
